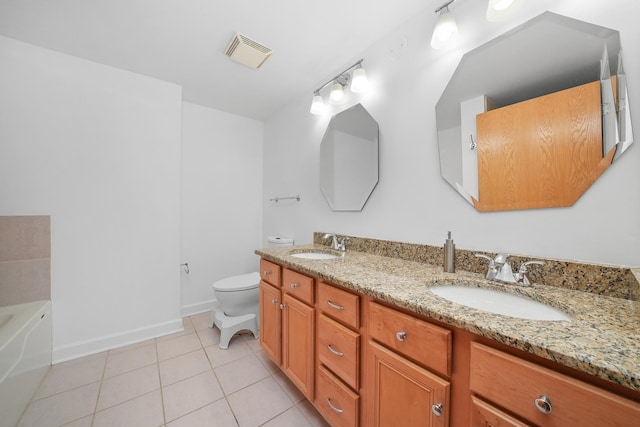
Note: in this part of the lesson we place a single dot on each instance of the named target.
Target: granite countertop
(602, 338)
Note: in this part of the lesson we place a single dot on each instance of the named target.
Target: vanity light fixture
(359, 83)
(499, 10)
(446, 27)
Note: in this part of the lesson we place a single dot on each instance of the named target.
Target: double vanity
(379, 336)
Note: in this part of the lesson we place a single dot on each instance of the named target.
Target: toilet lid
(238, 283)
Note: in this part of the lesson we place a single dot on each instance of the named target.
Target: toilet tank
(279, 241)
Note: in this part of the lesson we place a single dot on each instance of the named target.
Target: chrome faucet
(337, 243)
(500, 269)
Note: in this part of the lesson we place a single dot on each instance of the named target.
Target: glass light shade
(359, 81)
(317, 105)
(445, 29)
(337, 93)
(499, 10)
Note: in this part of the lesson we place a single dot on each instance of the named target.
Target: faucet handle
(521, 274)
(342, 243)
(492, 271)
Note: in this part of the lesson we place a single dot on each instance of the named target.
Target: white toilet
(237, 304)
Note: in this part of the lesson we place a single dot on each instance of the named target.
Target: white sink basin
(499, 302)
(314, 255)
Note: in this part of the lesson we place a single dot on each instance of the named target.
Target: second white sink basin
(314, 255)
(499, 302)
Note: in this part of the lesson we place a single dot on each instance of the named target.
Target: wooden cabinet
(364, 363)
(298, 325)
(404, 393)
(543, 152)
(287, 322)
(339, 354)
(540, 396)
(271, 322)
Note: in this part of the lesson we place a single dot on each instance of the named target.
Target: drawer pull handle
(333, 305)
(437, 409)
(543, 404)
(266, 273)
(282, 306)
(336, 352)
(274, 301)
(294, 285)
(335, 408)
(401, 336)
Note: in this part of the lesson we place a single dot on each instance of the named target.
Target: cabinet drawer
(270, 272)
(298, 284)
(426, 343)
(338, 349)
(338, 404)
(341, 305)
(516, 385)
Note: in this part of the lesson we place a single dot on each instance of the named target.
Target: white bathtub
(25, 356)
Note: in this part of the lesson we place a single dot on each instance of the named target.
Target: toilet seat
(241, 282)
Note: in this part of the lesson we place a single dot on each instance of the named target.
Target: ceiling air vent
(247, 52)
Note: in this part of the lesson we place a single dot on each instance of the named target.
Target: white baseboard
(108, 342)
(200, 307)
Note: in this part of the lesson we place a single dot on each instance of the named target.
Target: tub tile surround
(25, 259)
(601, 339)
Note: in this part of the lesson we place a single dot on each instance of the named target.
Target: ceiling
(183, 41)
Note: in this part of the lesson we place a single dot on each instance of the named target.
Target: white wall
(221, 203)
(412, 203)
(98, 149)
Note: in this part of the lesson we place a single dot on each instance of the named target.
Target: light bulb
(445, 29)
(337, 93)
(499, 10)
(317, 105)
(359, 81)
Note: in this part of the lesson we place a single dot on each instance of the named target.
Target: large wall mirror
(532, 118)
(349, 159)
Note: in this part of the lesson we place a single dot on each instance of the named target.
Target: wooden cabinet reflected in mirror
(551, 117)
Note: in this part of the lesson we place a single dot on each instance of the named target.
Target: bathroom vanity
(368, 344)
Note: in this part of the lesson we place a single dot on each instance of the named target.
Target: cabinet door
(298, 325)
(270, 322)
(405, 394)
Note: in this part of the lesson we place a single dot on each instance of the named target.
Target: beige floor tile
(217, 414)
(143, 411)
(69, 375)
(183, 366)
(179, 345)
(267, 362)
(201, 321)
(312, 414)
(291, 417)
(218, 357)
(259, 402)
(190, 394)
(138, 357)
(61, 408)
(209, 337)
(253, 342)
(240, 373)
(82, 422)
(121, 388)
(289, 388)
(131, 346)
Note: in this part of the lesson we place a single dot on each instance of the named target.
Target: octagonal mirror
(349, 159)
(532, 118)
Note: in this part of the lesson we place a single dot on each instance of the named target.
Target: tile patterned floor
(181, 380)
